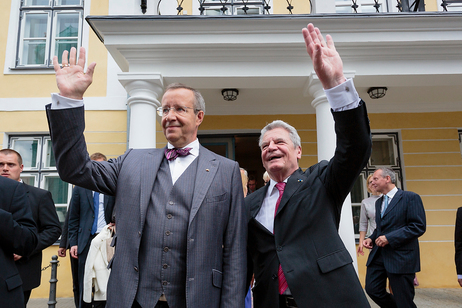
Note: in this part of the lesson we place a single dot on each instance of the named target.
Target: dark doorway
(242, 148)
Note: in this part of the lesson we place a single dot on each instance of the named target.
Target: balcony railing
(260, 7)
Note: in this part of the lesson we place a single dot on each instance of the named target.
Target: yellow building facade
(429, 142)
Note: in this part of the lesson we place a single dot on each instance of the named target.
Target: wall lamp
(230, 94)
(377, 92)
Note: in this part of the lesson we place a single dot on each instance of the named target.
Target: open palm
(71, 79)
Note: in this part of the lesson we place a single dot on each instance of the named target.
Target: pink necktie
(281, 278)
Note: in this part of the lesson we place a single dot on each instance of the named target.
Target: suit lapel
(148, 170)
(207, 167)
(396, 198)
(89, 195)
(258, 195)
(295, 181)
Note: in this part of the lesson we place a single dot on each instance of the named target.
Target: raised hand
(71, 80)
(326, 61)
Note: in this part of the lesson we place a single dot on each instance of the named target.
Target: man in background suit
(85, 223)
(400, 218)
(458, 245)
(181, 227)
(297, 255)
(45, 216)
(18, 235)
(63, 246)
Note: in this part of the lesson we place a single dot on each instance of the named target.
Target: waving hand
(71, 80)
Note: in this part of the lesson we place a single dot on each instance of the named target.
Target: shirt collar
(271, 184)
(392, 193)
(193, 145)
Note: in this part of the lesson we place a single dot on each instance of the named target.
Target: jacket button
(169, 216)
(274, 277)
(136, 269)
(139, 233)
(164, 283)
(166, 249)
(164, 266)
(279, 248)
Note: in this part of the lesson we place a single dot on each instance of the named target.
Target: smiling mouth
(274, 157)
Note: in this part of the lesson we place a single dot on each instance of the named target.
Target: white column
(145, 92)
(323, 6)
(326, 147)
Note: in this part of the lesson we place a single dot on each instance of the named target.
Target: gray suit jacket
(216, 248)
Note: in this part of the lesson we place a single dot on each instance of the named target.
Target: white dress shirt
(390, 195)
(179, 165)
(266, 214)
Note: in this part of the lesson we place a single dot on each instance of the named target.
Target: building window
(40, 169)
(450, 5)
(385, 153)
(47, 28)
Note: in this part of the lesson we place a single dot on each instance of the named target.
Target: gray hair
(388, 172)
(294, 137)
(199, 102)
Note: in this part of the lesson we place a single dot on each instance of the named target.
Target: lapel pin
(207, 170)
(300, 180)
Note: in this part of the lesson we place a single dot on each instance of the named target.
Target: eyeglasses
(163, 112)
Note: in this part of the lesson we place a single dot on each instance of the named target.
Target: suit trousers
(401, 284)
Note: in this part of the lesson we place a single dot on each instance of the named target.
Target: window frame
(52, 9)
(40, 172)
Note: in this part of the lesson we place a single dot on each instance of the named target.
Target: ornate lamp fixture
(377, 92)
(230, 94)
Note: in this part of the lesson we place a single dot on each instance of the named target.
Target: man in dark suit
(85, 223)
(63, 246)
(45, 216)
(181, 225)
(18, 235)
(400, 218)
(458, 245)
(297, 255)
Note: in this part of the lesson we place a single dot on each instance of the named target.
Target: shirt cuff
(61, 102)
(343, 96)
(459, 276)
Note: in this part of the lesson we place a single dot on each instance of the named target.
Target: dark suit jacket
(82, 215)
(402, 224)
(216, 250)
(64, 241)
(49, 229)
(18, 234)
(458, 241)
(317, 266)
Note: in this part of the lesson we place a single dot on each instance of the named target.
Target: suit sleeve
(351, 153)
(74, 217)
(72, 159)
(49, 227)
(415, 222)
(234, 251)
(64, 235)
(458, 241)
(18, 233)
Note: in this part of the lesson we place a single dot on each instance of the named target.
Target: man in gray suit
(181, 227)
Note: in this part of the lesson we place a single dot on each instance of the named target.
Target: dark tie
(281, 278)
(172, 154)
(94, 227)
(385, 205)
